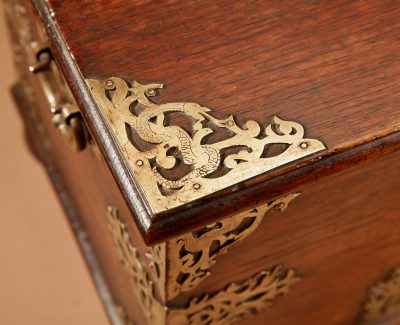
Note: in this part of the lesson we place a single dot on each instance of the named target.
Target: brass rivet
(139, 162)
(304, 145)
(196, 186)
(151, 92)
(109, 83)
(230, 123)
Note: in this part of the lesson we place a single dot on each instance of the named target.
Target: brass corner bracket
(169, 148)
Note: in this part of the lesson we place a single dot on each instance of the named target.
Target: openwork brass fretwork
(236, 301)
(191, 256)
(383, 302)
(180, 151)
(156, 258)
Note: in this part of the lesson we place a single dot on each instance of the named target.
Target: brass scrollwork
(192, 255)
(156, 258)
(236, 301)
(170, 147)
(138, 277)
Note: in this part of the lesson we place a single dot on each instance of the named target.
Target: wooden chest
(222, 161)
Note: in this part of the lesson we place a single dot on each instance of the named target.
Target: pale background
(43, 279)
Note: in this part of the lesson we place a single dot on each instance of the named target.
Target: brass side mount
(236, 301)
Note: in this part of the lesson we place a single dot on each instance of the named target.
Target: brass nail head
(109, 83)
(151, 92)
(304, 145)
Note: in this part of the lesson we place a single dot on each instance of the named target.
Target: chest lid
(201, 111)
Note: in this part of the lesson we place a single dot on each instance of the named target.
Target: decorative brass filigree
(177, 164)
(138, 277)
(156, 257)
(383, 302)
(191, 256)
(236, 301)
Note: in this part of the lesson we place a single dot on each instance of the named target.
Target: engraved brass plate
(180, 152)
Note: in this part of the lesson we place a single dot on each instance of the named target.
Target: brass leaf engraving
(236, 301)
(383, 302)
(180, 152)
(191, 256)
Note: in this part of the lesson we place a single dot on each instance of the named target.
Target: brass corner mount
(169, 149)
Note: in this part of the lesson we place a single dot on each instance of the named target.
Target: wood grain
(329, 65)
(341, 235)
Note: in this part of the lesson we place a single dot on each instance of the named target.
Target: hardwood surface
(341, 235)
(327, 64)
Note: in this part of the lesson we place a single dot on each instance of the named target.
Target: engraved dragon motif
(180, 152)
(149, 125)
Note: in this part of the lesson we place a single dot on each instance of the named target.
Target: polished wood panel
(341, 235)
(326, 64)
(336, 76)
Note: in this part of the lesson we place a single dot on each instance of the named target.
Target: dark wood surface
(341, 235)
(338, 242)
(85, 187)
(38, 149)
(327, 64)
